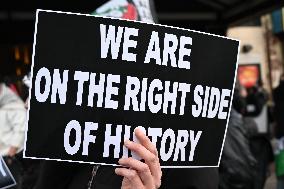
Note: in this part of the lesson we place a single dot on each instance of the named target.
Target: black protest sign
(94, 80)
(6, 178)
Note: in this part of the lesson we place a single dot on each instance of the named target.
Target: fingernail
(127, 142)
(138, 131)
(121, 160)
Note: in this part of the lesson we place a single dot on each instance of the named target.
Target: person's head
(239, 100)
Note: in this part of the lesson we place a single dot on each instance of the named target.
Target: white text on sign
(155, 96)
(174, 145)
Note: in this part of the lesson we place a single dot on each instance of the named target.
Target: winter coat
(238, 165)
(12, 120)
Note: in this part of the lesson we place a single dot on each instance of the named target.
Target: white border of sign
(11, 185)
(61, 12)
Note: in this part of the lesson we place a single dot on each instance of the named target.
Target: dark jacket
(238, 165)
(64, 175)
(278, 95)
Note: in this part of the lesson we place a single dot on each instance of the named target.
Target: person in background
(278, 96)
(9, 83)
(12, 127)
(256, 99)
(246, 154)
(256, 102)
(29, 167)
(238, 164)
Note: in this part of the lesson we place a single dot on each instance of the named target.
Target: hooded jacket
(237, 166)
(12, 120)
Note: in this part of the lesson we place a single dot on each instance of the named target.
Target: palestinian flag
(142, 10)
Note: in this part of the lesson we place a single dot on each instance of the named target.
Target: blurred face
(239, 101)
(243, 92)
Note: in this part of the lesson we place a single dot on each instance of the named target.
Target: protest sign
(95, 79)
(6, 178)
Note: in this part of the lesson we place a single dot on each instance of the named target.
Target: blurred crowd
(250, 156)
(247, 154)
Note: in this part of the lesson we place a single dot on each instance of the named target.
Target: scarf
(7, 96)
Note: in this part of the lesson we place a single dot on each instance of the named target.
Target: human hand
(12, 151)
(141, 175)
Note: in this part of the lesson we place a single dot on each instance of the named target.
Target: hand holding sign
(141, 175)
(12, 151)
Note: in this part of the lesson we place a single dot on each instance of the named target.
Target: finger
(150, 159)
(141, 151)
(125, 183)
(131, 175)
(145, 141)
(142, 169)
